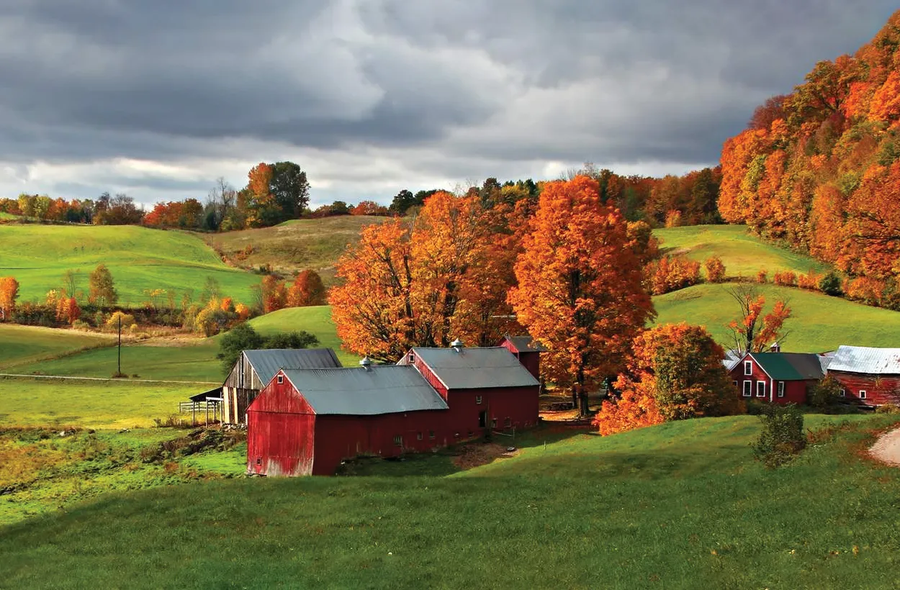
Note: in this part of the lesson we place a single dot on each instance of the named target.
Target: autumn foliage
(753, 331)
(715, 269)
(671, 273)
(307, 289)
(9, 292)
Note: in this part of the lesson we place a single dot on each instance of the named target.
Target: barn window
(862, 394)
(412, 357)
(760, 389)
(419, 436)
(478, 400)
(431, 434)
(748, 388)
(748, 367)
(781, 389)
(280, 379)
(843, 393)
(398, 441)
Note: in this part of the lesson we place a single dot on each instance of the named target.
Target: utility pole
(119, 370)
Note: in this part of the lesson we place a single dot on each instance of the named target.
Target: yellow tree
(580, 287)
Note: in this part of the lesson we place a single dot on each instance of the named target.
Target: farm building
(778, 377)
(255, 368)
(869, 376)
(308, 421)
(527, 350)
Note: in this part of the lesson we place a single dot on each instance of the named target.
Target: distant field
(23, 344)
(7, 216)
(140, 259)
(191, 361)
(115, 404)
(295, 245)
(682, 505)
(742, 253)
(819, 322)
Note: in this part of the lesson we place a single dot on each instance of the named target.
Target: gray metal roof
(526, 343)
(475, 368)
(268, 362)
(871, 361)
(380, 389)
(732, 358)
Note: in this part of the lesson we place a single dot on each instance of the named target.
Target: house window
(735, 384)
(398, 441)
(748, 367)
(478, 400)
(748, 388)
(760, 389)
(280, 379)
(419, 436)
(781, 389)
(431, 435)
(862, 394)
(843, 393)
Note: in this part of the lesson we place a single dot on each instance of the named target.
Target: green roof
(789, 366)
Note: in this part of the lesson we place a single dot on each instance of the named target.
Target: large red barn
(777, 377)
(869, 376)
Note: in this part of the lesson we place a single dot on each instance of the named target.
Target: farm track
(887, 448)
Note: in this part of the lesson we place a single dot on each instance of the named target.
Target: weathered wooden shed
(305, 422)
(777, 377)
(255, 368)
(868, 376)
(527, 350)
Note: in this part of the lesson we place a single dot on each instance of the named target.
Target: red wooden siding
(280, 432)
(880, 389)
(794, 391)
(529, 360)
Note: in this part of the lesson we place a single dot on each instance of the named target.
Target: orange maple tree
(580, 289)
(274, 294)
(307, 289)
(9, 292)
(753, 331)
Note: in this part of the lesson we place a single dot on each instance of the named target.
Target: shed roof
(789, 366)
(269, 361)
(475, 368)
(871, 361)
(380, 389)
(525, 343)
(215, 393)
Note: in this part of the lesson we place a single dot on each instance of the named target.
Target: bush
(888, 409)
(809, 281)
(785, 278)
(782, 437)
(825, 394)
(762, 276)
(672, 273)
(112, 323)
(830, 284)
(715, 269)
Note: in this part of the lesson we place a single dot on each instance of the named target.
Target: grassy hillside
(140, 259)
(190, 360)
(819, 322)
(294, 245)
(682, 505)
(26, 344)
(742, 253)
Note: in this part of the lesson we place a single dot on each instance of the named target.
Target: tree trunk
(583, 409)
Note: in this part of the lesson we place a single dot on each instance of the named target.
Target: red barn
(305, 422)
(484, 387)
(869, 376)
(527, 350)
(777, 377)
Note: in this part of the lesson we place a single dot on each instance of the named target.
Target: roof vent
(456, 345)
(365, 363)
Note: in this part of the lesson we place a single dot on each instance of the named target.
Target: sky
(158, 98)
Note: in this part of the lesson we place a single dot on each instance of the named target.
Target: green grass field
(682, 505)
(27, 344)
(742, 253)
(140, 259)
(818, 323)
(191, 361)
(295, 245)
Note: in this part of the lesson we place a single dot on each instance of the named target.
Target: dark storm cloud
(444, 86)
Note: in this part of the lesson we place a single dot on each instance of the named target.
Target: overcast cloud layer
(158, 98)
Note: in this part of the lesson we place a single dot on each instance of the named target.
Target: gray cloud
(432, 91)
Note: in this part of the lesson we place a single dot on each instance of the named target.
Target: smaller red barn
(869, 376)
(527, 350)
(777, 377)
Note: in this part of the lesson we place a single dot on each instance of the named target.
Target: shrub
(830, 284)
(112, 323)
(715, 269)
(785, 278)
(673, 218)
(825, 394)
(866, 290)
(762, 276)
(888, 409)
(809, 281)
(672, 273)
(782, 437)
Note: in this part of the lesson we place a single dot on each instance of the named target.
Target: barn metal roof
(871, 361)
(268, 362)
(525, 343)
(789, 366)
(476, 368)
(380, 389)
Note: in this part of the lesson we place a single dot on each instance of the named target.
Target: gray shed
(255, 368)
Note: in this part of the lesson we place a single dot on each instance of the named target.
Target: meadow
(139, 259)
(681, 505)
(25, 344)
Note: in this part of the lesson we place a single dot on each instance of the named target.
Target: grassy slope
(195, 362)
(21, 344)
(742, 253)
(819, 322)
(677, 506)
(295, 245)
(139, 259)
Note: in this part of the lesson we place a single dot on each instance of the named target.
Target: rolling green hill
(742, 253)
(682, 505)
(294, 245)
(818, 322)
(27, 344)
(140, 259)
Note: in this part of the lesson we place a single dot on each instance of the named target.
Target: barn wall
(880, 389)
(506, 408)
(280, 432)
(240, 389)
(530, 360)
(430, 377)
